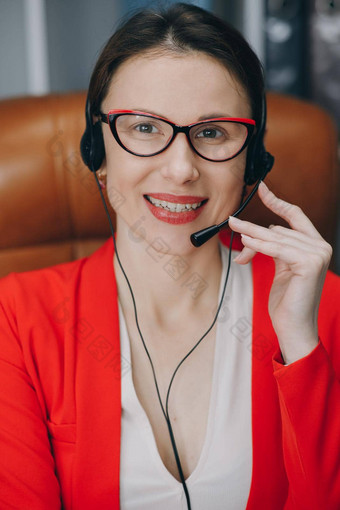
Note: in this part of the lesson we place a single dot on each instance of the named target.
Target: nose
(180, 161)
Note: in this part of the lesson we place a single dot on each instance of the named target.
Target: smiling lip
(175, 218)
(177, 199)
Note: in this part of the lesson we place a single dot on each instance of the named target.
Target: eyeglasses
(143, 134)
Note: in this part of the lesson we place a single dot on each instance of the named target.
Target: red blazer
(60, 413)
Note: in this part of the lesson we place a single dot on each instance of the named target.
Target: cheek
(117, 174)
(237, 168)
(119, 183)
(230, 178)
(125, 173)
(230, 185)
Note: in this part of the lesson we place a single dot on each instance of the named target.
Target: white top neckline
(222, 476)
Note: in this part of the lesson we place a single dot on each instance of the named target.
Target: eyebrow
(213, 115)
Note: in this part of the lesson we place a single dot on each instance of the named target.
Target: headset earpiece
(260, 164)
(259, 161)
(92, 147)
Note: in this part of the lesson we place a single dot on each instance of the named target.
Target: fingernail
(236, 220)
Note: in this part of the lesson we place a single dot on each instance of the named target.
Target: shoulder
(24, 292)
(45, 315)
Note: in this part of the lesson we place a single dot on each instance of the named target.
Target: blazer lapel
(98, 388)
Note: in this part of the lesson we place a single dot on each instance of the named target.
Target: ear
(102, 171)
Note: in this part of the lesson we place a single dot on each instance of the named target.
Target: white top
(222, 476)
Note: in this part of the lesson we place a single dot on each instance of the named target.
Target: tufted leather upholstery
(50, 207)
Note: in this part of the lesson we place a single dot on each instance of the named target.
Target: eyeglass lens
(144, 135)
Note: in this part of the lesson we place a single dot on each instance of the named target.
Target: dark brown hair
(179, 29)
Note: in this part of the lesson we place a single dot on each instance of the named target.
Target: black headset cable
(166, 413)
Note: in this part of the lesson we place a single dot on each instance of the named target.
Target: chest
(187, 401)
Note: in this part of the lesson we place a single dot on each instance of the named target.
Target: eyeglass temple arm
(103, 117)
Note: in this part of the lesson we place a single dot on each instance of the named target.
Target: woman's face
(184, 89)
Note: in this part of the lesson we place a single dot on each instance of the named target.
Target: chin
(176, 243)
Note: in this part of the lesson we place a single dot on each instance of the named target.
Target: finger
(272, 233)
(245, 255)
(291, 255)
(285, 236)
(293, 214)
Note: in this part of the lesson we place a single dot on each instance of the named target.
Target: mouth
(173, 209)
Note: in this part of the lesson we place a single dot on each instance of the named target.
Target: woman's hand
(302, 258)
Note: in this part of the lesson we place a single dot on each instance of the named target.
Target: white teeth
(171, 206)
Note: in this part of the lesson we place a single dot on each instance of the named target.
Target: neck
(167, 285)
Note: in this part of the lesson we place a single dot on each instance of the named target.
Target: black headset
(259, 161)
(92, 147)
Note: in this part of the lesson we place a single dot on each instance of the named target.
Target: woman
(92, 349)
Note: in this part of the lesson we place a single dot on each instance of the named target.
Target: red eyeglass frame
(111, 117)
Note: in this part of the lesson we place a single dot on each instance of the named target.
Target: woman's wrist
(293, 349)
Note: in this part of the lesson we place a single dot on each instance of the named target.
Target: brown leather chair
(50, 206)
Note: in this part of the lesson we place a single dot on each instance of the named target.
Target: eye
(210, 132)
(146, 127)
